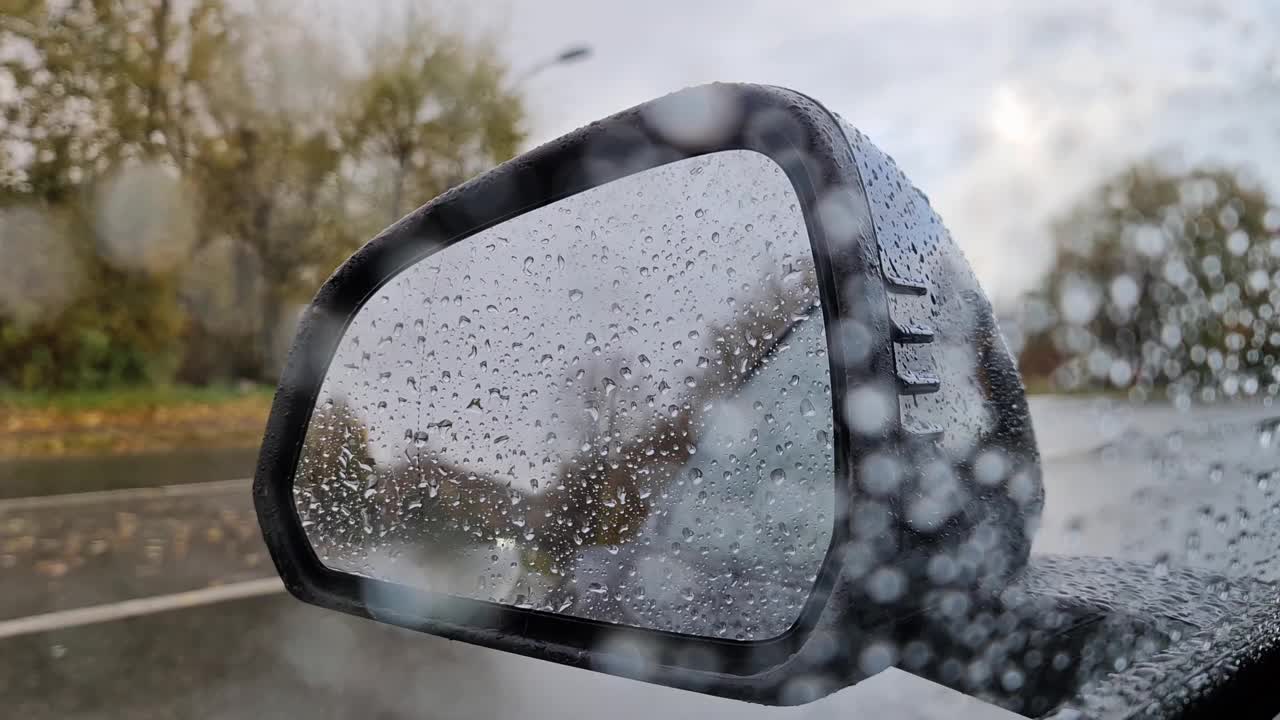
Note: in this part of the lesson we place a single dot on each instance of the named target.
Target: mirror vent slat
(911, 333)
(914, 382)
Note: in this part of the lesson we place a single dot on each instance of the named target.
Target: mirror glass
(617, 406)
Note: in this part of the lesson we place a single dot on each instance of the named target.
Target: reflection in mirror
(617, 406)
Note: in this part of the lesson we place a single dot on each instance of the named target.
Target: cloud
(1001, 111)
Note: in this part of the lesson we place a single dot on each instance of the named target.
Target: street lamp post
(573, 53)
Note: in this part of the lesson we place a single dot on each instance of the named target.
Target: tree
(436, 108)
(101, 83)
(267, 144)
(1162, 278)
(100, 115)
(288, 172)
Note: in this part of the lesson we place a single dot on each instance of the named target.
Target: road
(161, 603)
(1149, 484)
(27, 477)
(271, 657)
(115, 605)
(70, 551)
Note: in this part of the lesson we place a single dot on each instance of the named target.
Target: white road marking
(144, 493)
(64, 619)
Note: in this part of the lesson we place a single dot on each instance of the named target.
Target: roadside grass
(130, 420)
(132, 398)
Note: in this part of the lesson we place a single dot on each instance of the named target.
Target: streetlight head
(577, 52)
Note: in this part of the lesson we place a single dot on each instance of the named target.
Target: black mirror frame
(807, 141)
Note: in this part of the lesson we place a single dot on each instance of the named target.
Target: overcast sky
(1000, 110)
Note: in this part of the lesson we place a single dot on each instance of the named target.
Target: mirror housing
(937, 477)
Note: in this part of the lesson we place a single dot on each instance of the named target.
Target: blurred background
(177, 177)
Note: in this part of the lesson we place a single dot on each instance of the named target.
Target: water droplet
(1215, 474)
(575, 295)
(868, 409)
(1161, 568)
(886, 584)
(807, 409)
(778, 475)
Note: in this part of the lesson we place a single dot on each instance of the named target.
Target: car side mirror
(702, 394)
